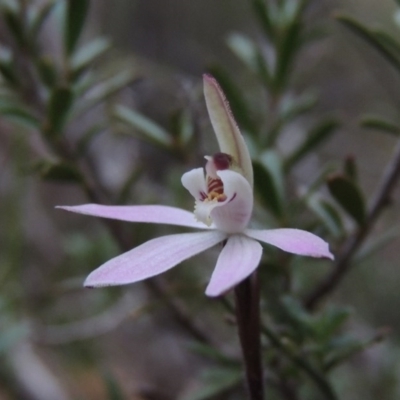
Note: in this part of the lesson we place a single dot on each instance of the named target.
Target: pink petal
(230, 140)
(234, 214)
(152, 258)
(238, 259)
(294, 241)
(151, 214)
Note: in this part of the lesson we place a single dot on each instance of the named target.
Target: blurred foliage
(82, 118)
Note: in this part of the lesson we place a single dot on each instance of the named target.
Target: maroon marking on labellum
(215, 185)
(233, 197)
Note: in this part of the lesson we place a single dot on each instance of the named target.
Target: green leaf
(186, 127)
(216, 381)
(47, 70)
(261, 12)
(11, 335)
(212, 353)
(145, 127)
(381, 124)
(236, 100)
(247, 51)
(287, 49)
(342, 348)
(89, 53)
(7, 66)
(349, 196)
(114, 391)
(320, 327)
(126, 189)
(328, 323)
(19, 114)
(181, 126)
(269, 184)
(273, 161)
(292, 107)
(289, 109)
(86, 139)
(263, 70)
(372, 38)
(12, 5)
(75, 19)
(320, 179)
(327, 213)
(39, 18)
(14, 24)
(388, 41)
(350, 168)
(100, 91)
(9, 74)
(297, 315)
(58, 172)
(316, 136)
(291, 11)
(376, 244)
(244, 48)
(58, 107)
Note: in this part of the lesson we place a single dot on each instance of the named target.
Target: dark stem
(247, 301)
(343, 261)
(291, 354)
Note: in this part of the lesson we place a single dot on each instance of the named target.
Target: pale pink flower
(223, 196)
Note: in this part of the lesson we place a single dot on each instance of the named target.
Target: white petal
(152, 258)
(147, 213)
(238, 259)
(294, 241)
(202, 211)
(229, 138)
(195, 182)
(233, 215)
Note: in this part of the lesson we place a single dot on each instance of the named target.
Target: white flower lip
(231, 215)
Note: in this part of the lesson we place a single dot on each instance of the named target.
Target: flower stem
(247, 301)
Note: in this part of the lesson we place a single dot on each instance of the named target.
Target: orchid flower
(223, 194)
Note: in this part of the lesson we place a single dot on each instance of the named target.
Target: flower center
(215, 187)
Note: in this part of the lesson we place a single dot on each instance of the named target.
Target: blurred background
(60, 341)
